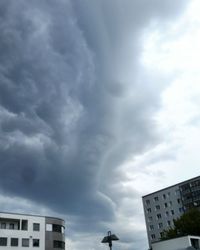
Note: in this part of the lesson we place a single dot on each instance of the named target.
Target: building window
(167, 213)
(166, 205)
(179, 201)
(168, 194)
(158, 207)
(195, 243)
(160, 225)
(177, 192)
(150, 219)
(153, 236)
(24, 225)
(57, 228)
(3, 241)
(172, 212)
(11, 226)
(58, 244)
(36, 242)
(169, 223)
(147, 202)
(181, 209)
(14, 242)
(156, 198)
(49, 227)
(149, 210)
(36, 227)
(170, 203)
(3, 225)
(164, 196)
(159, 216)
(161, 234)
(151, 227)
(25, 242)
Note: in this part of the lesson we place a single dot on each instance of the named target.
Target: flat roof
(34, 215)
(180, 183)
(178, 237)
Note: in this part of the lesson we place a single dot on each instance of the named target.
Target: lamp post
(109, 238)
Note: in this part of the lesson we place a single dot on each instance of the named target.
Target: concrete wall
(50, 236)
(28, 234)
(174, 244)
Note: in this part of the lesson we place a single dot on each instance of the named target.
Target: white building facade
(162, 207)
(182, 243)
(19, 231)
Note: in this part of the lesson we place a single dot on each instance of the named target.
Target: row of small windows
(159, 216)
(14, 242)
(153, 236)
(16, 225)
(158, 207)
(148, 202)
(55, 228)
(160, 225)
(58, 244)
(35, 227)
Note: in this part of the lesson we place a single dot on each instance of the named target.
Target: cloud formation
(75, 101)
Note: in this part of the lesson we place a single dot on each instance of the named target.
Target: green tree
(187, 224)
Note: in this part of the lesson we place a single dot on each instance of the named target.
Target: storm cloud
(75, 102)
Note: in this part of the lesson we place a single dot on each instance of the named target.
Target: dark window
(149, 210)
(160, 225)
(169, 223)
(161, 234)
(36, 242)
(179, 201)
(59, 244)
(24, 225)
(153, 236)
(166, 205)
(36, 227)
(167, 213)
(195, 243)
(159, 216)
(11, 226)
(158, 207)
(172, 212)
(156, 198)
(3, 241)
(147, 202)
(3, 225)
(57, 228)
(151, 227)
(14, 242)
(164, 196)
(25, 242)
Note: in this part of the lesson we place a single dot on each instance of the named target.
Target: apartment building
(19, 231)
(163, 206)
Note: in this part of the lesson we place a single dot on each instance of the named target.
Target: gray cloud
(73, 102)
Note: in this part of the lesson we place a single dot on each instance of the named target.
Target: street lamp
(108, 239)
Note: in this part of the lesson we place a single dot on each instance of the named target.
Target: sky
(99, 105)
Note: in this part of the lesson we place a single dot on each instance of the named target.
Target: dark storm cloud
(66, 117)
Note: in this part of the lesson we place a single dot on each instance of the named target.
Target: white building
(162, 207)
(31, 232)
(182, 243)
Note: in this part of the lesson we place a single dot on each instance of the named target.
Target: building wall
(160, 209)
(163, 206)
(175, 244)
(23, 234)
(50, 233)
(52, 236)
